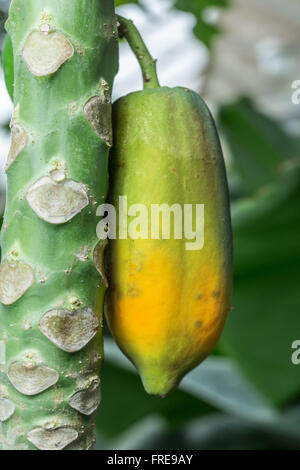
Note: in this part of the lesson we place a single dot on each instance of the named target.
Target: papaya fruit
(168, 298)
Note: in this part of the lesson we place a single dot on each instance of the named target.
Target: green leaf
(217, 381)
(261, 328)
(142, 435)
(124, 2)
(213, 432)
(265, 318)
(220, 431)
(203, 30)
(258, 144)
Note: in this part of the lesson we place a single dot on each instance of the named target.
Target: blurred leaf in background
(258, 145)
(204, 29)
(3, 17)
(124, 2)
(4, 5)
(265, 319)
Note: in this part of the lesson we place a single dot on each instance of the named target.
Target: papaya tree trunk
(51, 279)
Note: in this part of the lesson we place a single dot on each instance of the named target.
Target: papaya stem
(129, 31)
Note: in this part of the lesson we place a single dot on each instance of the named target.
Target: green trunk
(65, 58)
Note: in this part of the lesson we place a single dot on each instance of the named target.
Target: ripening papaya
(168, 298)
(170, 279)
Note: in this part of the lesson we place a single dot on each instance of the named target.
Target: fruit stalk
(128, 30)
(51, 281)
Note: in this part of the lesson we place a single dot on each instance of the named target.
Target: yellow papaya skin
(166, 306)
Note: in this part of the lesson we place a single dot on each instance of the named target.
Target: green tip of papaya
(158, 382)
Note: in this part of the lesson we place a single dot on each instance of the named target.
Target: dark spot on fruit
(133, 291)
(198, 324)
(215, 294)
